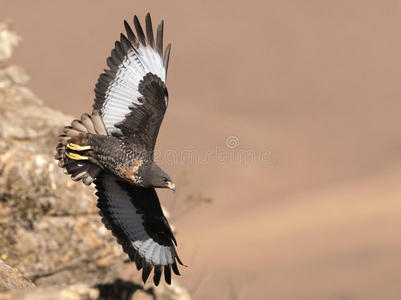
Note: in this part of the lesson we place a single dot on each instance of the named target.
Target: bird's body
(113, 147)
(114, 155)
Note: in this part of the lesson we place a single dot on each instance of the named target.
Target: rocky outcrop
(72, 292)
(11, 279)
(50, 230)
(50, 225)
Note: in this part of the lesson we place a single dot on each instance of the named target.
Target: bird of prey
(113, 148)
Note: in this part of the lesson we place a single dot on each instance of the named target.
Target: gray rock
(11, 279)
(50, 228)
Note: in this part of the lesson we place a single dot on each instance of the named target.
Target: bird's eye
(165, 179)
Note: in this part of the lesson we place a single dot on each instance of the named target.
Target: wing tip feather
(139, 31)
(157, 273)
(149, 30)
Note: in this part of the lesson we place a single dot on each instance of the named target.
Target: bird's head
(158, 178)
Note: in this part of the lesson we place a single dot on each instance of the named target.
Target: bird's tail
(79, 169)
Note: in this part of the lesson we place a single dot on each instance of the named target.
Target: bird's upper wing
(131, 95)
(135, 217)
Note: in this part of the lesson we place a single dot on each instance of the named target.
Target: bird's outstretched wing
(135, 217)
(131, 96)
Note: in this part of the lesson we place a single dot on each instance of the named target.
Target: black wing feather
(130, 34)
(166, 57)
(139, 31)
(111, 63)
(167, 274)
(138, 261)
(119, 51)
(146, 203)
(175, 269)
(147, 268)
(125, 43)
(149, 31)
(159, 38)
(141, 126)
(157, 274)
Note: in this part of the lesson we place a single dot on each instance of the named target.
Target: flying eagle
(113, 147)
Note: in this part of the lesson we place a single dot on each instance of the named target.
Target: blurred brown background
(310, 90)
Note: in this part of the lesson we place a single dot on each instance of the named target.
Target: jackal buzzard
(113, 147)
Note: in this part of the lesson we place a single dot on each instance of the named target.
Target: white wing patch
(125, 215)
(123, 90)
(134, 56)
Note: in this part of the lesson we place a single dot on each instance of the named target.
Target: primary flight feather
(113, 148)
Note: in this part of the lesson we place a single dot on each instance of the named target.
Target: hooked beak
(171, 185)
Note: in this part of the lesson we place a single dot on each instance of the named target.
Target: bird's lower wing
(135, 217)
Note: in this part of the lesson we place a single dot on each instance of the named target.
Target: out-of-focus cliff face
(8, 40)
(49, 225)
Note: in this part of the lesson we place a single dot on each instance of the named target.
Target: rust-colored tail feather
(80, 170)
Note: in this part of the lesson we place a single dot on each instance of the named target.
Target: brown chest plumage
(132, 171)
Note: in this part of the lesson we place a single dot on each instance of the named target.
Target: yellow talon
(76, 156)
(77, 147)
